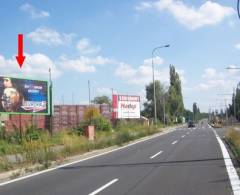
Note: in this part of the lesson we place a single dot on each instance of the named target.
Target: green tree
(102, 100)
(175, 99)
(195, 111)
(188, 115)
(149, 105)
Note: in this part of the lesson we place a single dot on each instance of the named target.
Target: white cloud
(83, 63)
(209, 13)
(34, 12)
(36, 65)
(209, 73)
(142, 75)
(44, 35)
(237, 46)
(143, 6)
(104, 91)
(157, 61)
(214, 80)
(84, 47)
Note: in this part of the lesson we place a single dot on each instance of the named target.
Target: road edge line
(232, 173)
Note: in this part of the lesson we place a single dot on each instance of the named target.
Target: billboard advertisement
(126, 106)
(23, 96)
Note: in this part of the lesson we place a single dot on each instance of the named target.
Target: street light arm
(156, 48)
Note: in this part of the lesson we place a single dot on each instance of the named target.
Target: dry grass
(47, 149)
(233, 137)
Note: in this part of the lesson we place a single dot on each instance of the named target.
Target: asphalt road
(183, 162)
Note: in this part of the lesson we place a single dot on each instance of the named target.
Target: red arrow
(20, 58)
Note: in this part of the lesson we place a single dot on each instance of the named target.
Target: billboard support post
(20, 126)
(50, 102)
(0, 122)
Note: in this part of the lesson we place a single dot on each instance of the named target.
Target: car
(191, 124)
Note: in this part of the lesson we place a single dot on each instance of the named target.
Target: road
(182, 162)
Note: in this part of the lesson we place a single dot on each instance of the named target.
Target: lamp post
(154, 90)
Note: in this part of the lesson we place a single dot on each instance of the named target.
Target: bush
(102, 124)
(32, 133)
(80, 128)
(4, 164)
(91, 113)
(123, 136)
(2, 132)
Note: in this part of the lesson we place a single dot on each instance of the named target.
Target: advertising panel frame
(30, 113)
(118, 112)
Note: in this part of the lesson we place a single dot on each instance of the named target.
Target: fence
(64, 117)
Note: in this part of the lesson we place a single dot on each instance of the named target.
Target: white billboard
(126, 106)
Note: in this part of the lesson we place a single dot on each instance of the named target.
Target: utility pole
(164, 115)
(89, 95)
(72, 98)
(62, 99)
(226, 111)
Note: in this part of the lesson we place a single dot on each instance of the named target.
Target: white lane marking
(156, 155)
(232, 173)
(103, 187)
(183, 136)
(174, 142)
(88, 158)
(187, 133)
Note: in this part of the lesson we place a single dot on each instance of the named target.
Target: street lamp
(154, 90)
(232, 68)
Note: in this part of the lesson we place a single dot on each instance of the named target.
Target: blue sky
(110, 44)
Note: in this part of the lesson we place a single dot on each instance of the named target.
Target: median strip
(104, 187)
(156, 155)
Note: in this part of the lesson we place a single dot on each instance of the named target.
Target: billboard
(126, 106)
(23, 96)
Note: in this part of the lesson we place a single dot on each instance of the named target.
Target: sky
(110, 44)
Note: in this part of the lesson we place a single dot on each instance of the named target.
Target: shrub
(123, 136)
(80, 128)
(102, 124)
(2, 132)
(4, 164)
(32, 133)
(91, 113)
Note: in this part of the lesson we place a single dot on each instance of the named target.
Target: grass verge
(46, 149)
(233, 138)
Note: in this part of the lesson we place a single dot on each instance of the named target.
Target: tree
(188, 115)
(149, 105)
(102, 100)
(195, 111)
(175, 99)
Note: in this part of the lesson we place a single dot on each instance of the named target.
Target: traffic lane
(196, 166)
(132, 175)
(89, 172)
